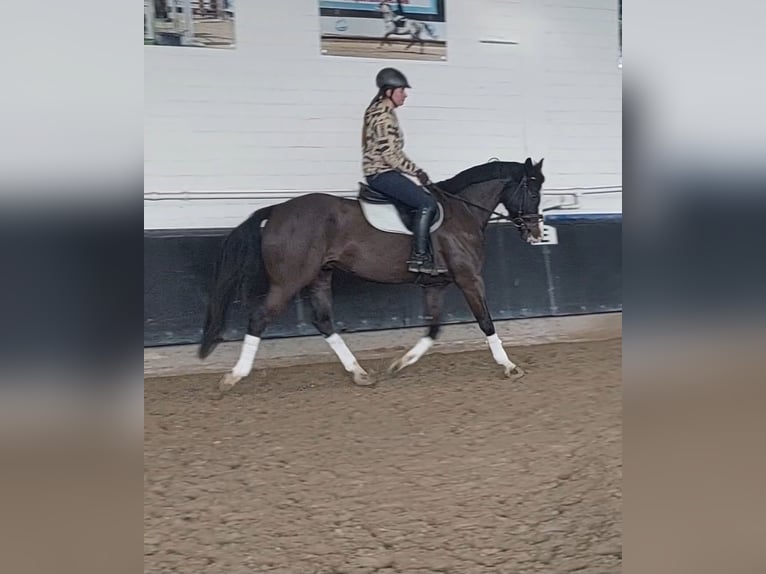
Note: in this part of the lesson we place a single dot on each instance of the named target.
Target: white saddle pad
(385, 217)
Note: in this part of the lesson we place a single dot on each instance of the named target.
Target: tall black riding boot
(421, 260)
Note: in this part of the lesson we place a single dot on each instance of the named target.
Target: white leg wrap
(420, 349)
(499, 354)
(246, 356)
(344, 354)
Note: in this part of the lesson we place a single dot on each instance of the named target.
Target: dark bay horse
(300, 242)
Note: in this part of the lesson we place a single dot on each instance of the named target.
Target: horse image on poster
(397, 25)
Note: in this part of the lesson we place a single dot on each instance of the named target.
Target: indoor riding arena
(446, 465)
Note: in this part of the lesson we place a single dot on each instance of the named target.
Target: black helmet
(391, 78)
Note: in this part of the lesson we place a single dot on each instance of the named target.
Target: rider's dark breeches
(402, 189)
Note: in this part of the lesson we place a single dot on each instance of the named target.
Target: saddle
(386, 214)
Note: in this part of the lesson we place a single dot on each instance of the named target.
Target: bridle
(520, 219)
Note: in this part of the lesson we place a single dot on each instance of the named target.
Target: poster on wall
(200, 23)
(396, 29)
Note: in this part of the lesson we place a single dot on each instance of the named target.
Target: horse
(299, 243)
(412, 28)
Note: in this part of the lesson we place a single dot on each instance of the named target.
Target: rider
(384, 164)
(399, 19)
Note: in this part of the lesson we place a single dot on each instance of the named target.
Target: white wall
(273, 114)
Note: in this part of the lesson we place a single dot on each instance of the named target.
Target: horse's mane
(478, 174)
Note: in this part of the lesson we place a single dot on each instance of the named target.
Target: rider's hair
(379, 96)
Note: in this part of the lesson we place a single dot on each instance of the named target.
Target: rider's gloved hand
(423, 178)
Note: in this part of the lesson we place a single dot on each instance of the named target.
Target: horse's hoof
(514, 373)
(363, 379)
(395, 367)
(227, 382)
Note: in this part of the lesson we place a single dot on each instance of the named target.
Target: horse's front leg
(434, 299)
(385, 39)
(418, 37)
(473, 290)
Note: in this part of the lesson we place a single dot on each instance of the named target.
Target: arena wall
(230, 130)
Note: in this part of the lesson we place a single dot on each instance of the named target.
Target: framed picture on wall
(201, 23)
(394, 29)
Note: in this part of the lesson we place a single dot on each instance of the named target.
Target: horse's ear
(539, 164)
(528, 163)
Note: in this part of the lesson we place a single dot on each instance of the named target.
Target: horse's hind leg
(321, 302)
(275, 302)
(434, 299)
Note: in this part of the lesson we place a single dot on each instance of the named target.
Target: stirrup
(424, 264)
(418, 262)
(428, 270)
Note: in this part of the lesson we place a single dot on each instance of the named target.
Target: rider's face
(398, 96)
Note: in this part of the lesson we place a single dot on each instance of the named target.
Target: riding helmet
(391, 78)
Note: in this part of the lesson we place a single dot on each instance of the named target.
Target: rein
(518, 220)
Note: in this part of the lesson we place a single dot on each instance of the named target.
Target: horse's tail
(238, 262)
